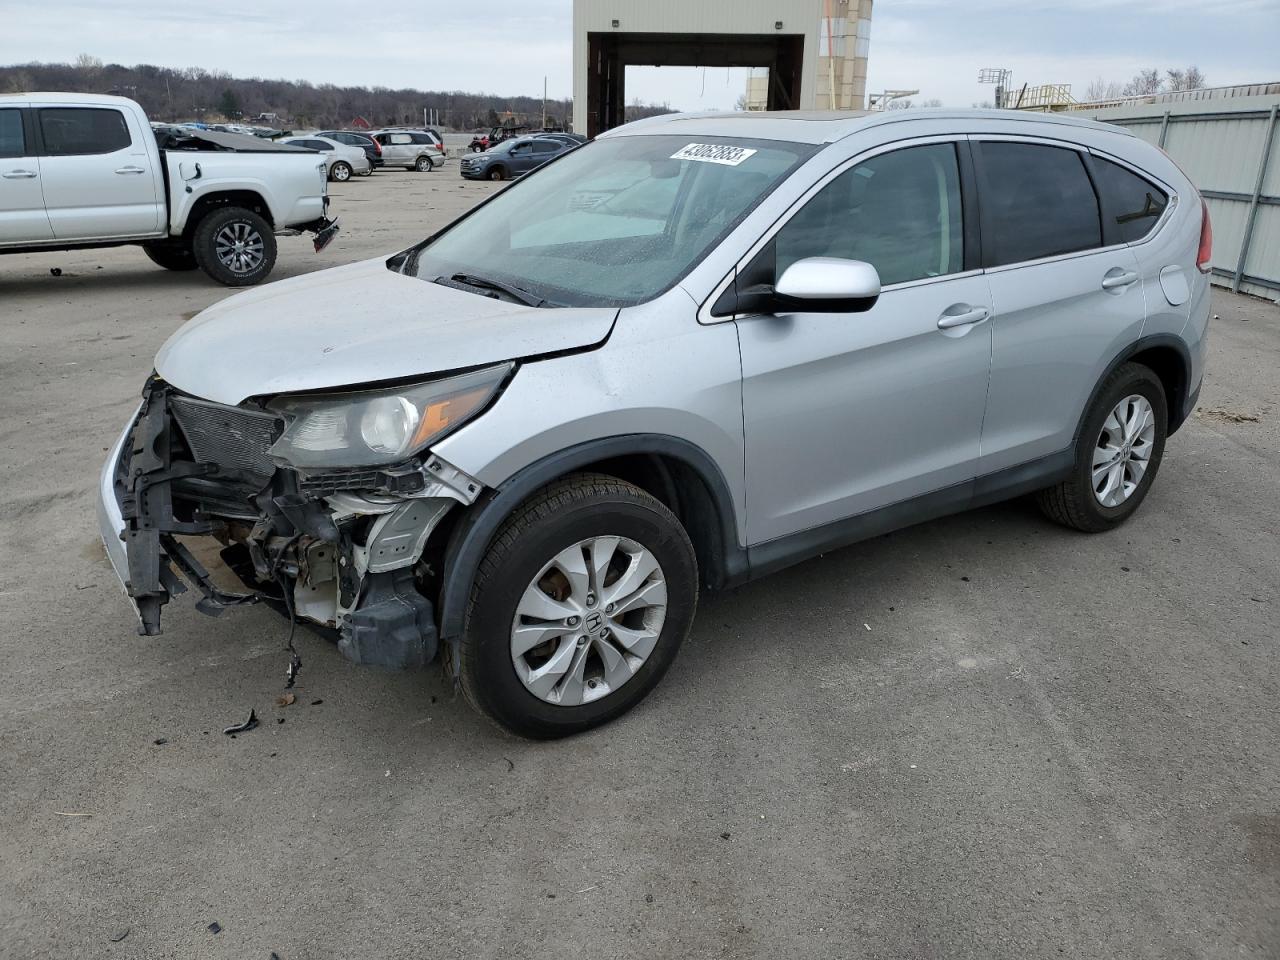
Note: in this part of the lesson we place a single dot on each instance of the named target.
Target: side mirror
(826, 285)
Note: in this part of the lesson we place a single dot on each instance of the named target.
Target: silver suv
(687, 354)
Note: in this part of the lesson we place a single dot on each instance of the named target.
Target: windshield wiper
(484, 283)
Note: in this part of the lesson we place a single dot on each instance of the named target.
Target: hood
(359, 324)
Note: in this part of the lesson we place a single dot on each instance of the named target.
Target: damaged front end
(199, 492)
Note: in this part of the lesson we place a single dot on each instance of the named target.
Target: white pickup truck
(82, 170)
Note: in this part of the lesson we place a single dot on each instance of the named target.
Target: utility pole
(544, 101)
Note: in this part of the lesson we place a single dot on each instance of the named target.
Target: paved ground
(983, 737)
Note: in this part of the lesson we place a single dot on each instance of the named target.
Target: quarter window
(76, 131)
(1133, 204)
(1038, 202)
(899, 211)
(12, 142)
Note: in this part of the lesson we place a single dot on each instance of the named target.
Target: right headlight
(379, 427)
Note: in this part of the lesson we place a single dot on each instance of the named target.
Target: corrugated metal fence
(1228, 149)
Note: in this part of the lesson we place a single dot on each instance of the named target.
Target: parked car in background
(497, 135)
(341, 160)
(512, 158)
(372, 149)
(82, 170)
(765, 337)
(411, 149)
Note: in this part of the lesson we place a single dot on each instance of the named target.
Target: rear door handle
(20, 175)
(971, 315)
(1123, 279)
(127, 170)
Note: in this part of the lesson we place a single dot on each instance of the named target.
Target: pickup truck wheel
(578, 608)
(423, 165)
(170, 256)
(235, 246)
(340, 171)
(497, 172)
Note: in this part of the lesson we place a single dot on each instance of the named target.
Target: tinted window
(73, 131)
(900, 212)
(1133, 204)
(319, 145)
(422, 138)
(1038, 202)
(543, 146)
(12, 142)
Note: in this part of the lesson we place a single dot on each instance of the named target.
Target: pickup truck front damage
(190, 498)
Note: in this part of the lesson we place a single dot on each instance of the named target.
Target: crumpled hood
(359, 324)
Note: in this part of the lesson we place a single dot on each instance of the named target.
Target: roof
(805, 126)
(69, 98)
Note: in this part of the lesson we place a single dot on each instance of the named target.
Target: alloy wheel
(588, 621)
(239, 247)
(1123, 451)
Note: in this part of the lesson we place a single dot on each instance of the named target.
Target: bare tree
(1100, 89)
(984, 105)
(1144, 84)
(1189, 79)
(741, 103)
(900, 103)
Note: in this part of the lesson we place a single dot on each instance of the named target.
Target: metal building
(815, 50)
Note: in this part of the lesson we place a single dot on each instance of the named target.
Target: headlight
(380, 426)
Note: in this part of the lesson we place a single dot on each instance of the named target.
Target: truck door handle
(130, 170)
(20, 175)
(1113, 280)
(970, 315)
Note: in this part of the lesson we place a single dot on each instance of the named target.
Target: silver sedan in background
(340, 160)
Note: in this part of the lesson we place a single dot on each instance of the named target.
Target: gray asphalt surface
(982, 737)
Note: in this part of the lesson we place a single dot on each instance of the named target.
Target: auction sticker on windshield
(713, 153)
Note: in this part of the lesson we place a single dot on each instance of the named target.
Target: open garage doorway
(609, 55)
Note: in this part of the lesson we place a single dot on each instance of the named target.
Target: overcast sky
(507, 47)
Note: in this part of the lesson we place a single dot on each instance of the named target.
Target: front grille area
(232, 437)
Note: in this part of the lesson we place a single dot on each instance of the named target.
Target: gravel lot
(982, 737)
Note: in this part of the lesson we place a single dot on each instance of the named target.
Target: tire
(1077, 502)
(497, 172)
(476, 148)
(171, 256)
(423, 165)
(580, 508)
(223, 225)
(340, 171)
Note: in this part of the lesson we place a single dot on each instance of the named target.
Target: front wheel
(235, 246)
(578, 608)
(497, 173)
(340, 171)
(1117, 454)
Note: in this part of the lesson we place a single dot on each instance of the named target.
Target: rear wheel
(1117, 456)
(423, 165)
(235, 246)
(171, 256)
(578, 608)
(340, 171)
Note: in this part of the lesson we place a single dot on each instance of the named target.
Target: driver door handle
(127, 170)
(19, 174)
(972, 315)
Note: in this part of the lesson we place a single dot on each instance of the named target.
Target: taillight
(377, 147)
(1205, 253)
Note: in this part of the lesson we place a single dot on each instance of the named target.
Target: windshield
(615, 222)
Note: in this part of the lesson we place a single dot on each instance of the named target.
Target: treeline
(193, 93)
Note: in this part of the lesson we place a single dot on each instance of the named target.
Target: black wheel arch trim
(1178, 412)
(478, 526)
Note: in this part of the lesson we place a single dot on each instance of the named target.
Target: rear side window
(397, 138)
(12, 142)
(1133, 204)
(1038, 202)
(76, 131)
(899, 212)
(545, 146)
